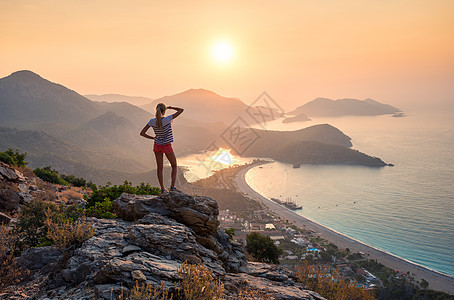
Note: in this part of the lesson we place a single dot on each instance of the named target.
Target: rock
(271, 272)
(10, 174)
(274, 290)
(130, 249)
(138, 275)
(110, 291)
(4, 219)
(163, 236)
(41, 260)
(134, 207)
(9, 200)
(198, 213)
(172, 229)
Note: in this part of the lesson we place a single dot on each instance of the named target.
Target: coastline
(437, 281)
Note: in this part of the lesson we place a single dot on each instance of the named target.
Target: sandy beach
(437, 281)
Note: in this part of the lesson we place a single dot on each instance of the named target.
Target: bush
(328, 284)
(230, 232)
(262, 248)
(49, 175)
(10, 272)
(64, 233)
(32, 227)
(13, 158)
(73, 180)
(198, 283)
(101, 210)
(148, 292)
(109, 192)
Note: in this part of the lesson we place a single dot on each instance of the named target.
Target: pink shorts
(167, 148)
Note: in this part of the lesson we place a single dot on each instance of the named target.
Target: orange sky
(397, 52)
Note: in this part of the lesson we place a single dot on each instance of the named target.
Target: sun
(223, 156)
(222, 51)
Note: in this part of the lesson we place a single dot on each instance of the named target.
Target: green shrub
(73, 180)
(101, 193)
(230, 232)
(262, 248)
(102, 210)
(13, 158)
(49, 175)
(31, 225)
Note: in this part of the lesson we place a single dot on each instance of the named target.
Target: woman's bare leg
(173, 162)
(160, 168)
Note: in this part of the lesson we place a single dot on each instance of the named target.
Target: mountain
(206, 106)
(134, 100)
(318, 144)
(324, 107)
(27, 98)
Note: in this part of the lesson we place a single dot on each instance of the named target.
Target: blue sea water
(406, 210)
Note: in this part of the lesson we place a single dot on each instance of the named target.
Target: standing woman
(163, 139)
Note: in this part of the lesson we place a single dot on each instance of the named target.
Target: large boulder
(198, 213)
(10, 174)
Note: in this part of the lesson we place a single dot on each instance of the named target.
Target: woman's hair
(160, 109)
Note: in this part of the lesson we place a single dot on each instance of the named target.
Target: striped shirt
(163, 136)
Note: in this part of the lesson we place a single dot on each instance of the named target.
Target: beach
(437, 281)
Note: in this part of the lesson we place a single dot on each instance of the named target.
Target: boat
(290, 204)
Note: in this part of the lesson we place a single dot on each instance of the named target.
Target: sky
(397, 52)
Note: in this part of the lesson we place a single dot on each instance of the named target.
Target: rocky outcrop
(155, 237)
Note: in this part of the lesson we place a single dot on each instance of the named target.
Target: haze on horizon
(397, 52)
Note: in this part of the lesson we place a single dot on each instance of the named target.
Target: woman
(163, 139)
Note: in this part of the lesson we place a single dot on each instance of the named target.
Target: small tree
(424, 284)
(262, 248)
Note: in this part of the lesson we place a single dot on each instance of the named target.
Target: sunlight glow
(222, 52)
(224, 157)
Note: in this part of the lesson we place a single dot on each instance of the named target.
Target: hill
(134, 100)
(324, 107)
(202, 105)
(27, 98)
(318, 144)
(206, 106)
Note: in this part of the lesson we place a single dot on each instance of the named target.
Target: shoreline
(437, 280)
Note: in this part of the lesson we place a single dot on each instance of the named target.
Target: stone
(130, 249)
(110, 291)
(274, 290)
(198, 213)
(138, 275)
(40, 261)
(9, 200)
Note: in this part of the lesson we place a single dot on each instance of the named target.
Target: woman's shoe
(174, 189)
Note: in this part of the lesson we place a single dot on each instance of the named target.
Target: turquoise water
(407, 210)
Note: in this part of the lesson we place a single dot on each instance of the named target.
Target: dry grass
(252, 294)
(10, 272)
(69, 195)
(328, 284)
(198, 283)
(64, 233)
(148, 292)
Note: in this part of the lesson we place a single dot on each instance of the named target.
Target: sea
(406, 210)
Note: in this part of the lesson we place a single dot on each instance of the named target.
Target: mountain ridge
(325, 107)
